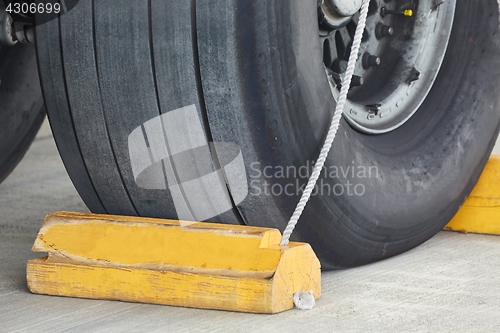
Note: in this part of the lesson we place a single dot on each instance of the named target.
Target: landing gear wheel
(21, 105)
(257, 75)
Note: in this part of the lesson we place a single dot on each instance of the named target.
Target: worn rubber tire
(254, 71)
(21, 105)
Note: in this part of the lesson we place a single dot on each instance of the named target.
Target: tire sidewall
(424, 170)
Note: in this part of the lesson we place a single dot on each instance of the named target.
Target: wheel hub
(403, 47)
(344, 7)
(335, 14)
(6, 27)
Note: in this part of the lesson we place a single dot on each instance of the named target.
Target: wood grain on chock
(190, 264)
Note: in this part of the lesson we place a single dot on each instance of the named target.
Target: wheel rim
(402, 51)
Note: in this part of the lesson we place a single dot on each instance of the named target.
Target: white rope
(334, 126)
(303, 300)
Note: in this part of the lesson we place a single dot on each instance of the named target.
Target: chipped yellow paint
(166, 262)
(481, 212)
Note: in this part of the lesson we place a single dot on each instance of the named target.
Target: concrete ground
(449, 284)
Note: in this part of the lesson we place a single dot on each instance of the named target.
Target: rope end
(304, 300)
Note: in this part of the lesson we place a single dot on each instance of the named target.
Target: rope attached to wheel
(304, 300)
(334, 126)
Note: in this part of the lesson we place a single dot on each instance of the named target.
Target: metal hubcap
(6, 35)
(403, 47)
(344, 7)
(334, 14)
